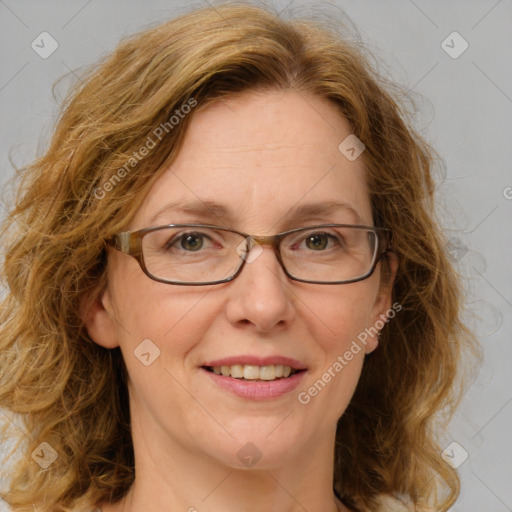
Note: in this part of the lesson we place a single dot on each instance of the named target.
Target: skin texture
(259, 154)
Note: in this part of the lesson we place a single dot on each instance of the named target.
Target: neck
(177, 478)
(231, 493)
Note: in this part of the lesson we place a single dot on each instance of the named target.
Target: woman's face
(260, 156)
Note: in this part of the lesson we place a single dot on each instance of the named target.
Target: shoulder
(388, 503)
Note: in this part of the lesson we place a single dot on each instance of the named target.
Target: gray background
(465, 110)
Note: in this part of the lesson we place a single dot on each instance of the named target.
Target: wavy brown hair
(59, 387)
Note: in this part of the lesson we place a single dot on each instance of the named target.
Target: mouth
(255, 377)
(254, 373)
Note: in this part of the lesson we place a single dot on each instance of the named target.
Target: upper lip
(257, 361)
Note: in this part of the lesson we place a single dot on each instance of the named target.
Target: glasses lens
(192, 254)
(330, 254)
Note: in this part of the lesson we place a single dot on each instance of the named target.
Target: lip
(255, 390)
(257, 361)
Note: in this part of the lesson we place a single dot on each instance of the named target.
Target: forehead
(260, 156)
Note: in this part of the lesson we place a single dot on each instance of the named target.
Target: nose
(261, 295)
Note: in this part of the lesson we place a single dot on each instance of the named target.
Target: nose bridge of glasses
(271, 240)
(254, 242)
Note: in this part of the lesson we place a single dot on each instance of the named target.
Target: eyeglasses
(202, 254)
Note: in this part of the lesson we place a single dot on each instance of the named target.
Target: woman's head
(260, 156)
(234, 106)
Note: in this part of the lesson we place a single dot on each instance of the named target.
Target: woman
(226, 288)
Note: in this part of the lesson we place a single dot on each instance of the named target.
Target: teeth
(253, 372)
(237, 371)
(250, 372)
(268, 372)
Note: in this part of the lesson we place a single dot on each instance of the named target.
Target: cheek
(174, 319)
(340, 315)
(164, 327)
(337, 319)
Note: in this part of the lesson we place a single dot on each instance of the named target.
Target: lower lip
(257, 390)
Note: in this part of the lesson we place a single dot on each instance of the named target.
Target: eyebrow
(220, 213)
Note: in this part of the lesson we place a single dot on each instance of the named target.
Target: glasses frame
(130, 243)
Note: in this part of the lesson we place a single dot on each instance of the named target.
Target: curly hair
(58, 386)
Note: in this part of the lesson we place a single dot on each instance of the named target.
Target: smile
(254, 372)
(255, 378)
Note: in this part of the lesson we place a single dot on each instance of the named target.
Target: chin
(256, 447)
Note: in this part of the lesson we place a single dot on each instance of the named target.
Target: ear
(381, 308)
(98, 319)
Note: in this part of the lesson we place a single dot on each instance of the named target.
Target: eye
(192, 241)
(319, 241)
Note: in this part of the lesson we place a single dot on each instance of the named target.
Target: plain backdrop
(454, 55)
